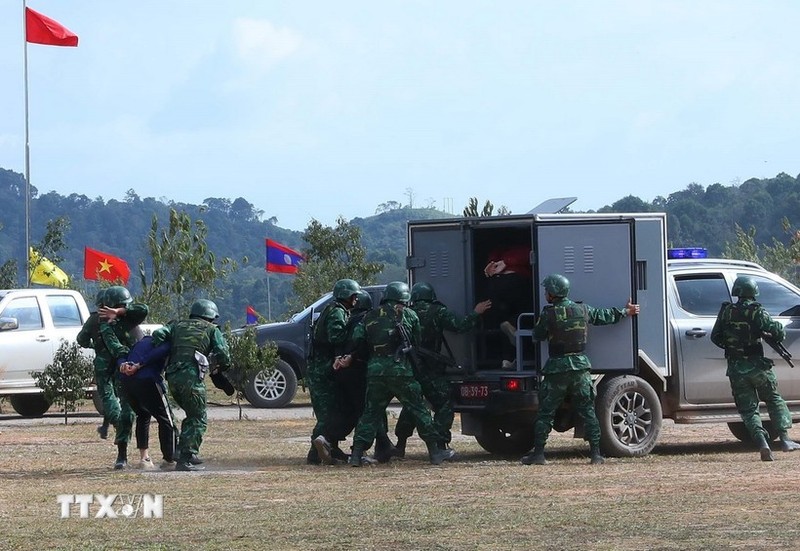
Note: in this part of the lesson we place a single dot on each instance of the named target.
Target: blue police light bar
(687, 252)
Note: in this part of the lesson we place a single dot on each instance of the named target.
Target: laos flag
(281, 258)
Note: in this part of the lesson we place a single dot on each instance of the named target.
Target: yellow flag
(45, 272)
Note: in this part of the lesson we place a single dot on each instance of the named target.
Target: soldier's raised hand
(481, 307)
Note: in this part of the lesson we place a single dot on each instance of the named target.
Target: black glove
(221, 382)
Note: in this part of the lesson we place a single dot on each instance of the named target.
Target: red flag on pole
(100, 265)
(40, 29)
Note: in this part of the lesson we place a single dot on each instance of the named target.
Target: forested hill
(697, 216)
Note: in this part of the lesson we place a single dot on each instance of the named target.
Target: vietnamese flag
(40, 29)
(100, 265)
(281, 258)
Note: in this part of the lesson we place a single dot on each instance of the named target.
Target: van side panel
(597, 258)
(439, 254)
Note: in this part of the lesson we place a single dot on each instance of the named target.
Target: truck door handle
(696, 332)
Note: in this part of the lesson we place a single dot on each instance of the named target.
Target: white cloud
(261, 44)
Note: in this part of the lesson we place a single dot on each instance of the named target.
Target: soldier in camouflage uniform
(563, 323)
(329, 339)
(434, 319)
(739, 329)
(112, 332)
(89, 337)
(120, 318)
(389, 372)
(186, 371)
(351, 385)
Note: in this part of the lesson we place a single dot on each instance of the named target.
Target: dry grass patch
(699, 490)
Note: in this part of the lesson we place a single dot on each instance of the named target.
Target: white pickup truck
(32, 324)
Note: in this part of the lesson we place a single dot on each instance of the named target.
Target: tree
(65, 380)
(333, 253)
(471, 210)
(182, 267)
(779, 258)
(388, 206)
(247, 360)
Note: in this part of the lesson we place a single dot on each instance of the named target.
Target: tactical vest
(189, 335)
(566, 327)
(380, 327)
(741, 338)
(431, 333)
(321, 344)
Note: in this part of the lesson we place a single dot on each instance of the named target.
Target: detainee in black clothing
(142, 381)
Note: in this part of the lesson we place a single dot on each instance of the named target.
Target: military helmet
(364, 300)
(397, 291)
(556, 285)
(100, 298)
(745, 287)
(204, 308)
(117, 296)
(422, 291)
(345, 288)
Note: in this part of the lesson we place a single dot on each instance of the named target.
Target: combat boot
(597, 457)
(536, 457)
(313, 458)
(384, 450)
(763, 448)
(102, 430)
(195, 459)
(356, 456)
(787, 444)
(400, 447)
(438, 455)
(184, 463)
(122, 456)
(338, 454)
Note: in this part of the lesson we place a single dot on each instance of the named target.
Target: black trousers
(148, 399)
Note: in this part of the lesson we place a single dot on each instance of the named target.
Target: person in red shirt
(509, 287)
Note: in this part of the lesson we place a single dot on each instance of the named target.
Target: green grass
(699, 490)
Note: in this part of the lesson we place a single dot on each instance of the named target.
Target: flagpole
(27, 147)
(269, 300)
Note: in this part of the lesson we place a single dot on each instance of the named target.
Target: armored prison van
(608, 258)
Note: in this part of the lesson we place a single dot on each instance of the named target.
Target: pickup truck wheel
(505, 439)
(629, 413)
(272, 390)
(29, 405)
(739, 431)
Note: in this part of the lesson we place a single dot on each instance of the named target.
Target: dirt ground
(699, 489)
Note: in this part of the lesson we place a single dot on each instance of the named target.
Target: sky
(319, 109)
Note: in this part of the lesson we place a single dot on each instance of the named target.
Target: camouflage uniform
(111, 341)
(183, 375)
(118, 337)
(434, 318)
(566, 373)
(329, 339)
(738, 330)
(389, 374)
(104, 368)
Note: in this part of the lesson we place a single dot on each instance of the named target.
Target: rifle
(437, 357)
(779, 348)
(406, 347)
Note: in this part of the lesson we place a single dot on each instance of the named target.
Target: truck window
(777, 299)
(26, 310)
(64, 311)
(702, 295)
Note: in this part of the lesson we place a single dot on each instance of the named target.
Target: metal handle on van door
(696, 332)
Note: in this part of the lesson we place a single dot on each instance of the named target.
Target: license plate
(474, 391)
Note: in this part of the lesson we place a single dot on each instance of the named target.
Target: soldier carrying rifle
(434, 319)
(739, 329)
